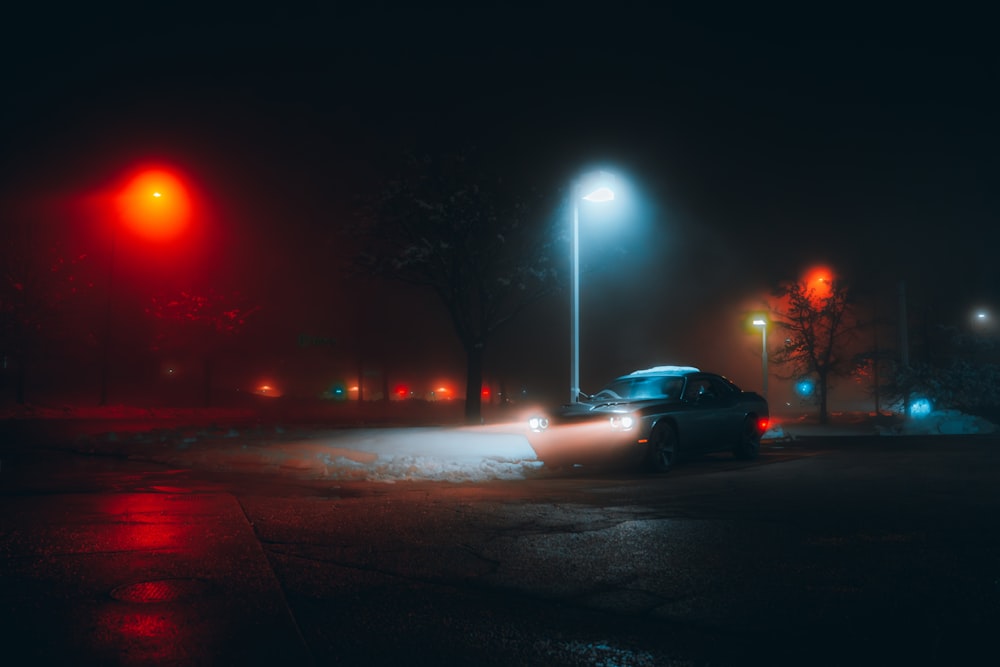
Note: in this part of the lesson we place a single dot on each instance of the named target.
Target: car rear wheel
(662, 452)
(748, 445)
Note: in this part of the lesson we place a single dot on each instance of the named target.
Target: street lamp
(601, 194)
(155, 204)
(762, 323)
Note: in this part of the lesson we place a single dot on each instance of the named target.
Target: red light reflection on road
(151, 618)
(143, 524)
(147, 626)
(146, 637)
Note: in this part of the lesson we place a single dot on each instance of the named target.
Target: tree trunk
(474, 383)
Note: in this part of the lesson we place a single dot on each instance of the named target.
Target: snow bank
(946, 422)
(385, 455)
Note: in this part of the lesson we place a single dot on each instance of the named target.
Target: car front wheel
(662, 453)
(748, 445)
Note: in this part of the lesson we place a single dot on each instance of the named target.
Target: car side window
(721, 389)
(696, 389)
(671, 388)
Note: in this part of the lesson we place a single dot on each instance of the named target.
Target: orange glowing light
(155, 204)
(441, 393)
(818, 282)
(267, 389)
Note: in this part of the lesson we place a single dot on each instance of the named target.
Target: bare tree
(448, 226)
(819, 327)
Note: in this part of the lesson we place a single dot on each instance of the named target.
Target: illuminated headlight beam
(538, 423)
(622, 422)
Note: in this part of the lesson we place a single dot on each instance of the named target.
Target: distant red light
(763, 425)
(486, 392)
(401, 391)
(267, 389)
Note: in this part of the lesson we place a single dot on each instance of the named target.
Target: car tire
(748, 445)
(662, 452)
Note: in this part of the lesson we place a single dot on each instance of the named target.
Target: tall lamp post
(762, 323)
(601, 194)
(155, 204)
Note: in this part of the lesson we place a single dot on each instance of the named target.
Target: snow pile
(438, 454)
(388, 454)
(385, 455)
(946, 422)
(774, 432)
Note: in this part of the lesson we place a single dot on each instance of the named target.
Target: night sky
(756, 142)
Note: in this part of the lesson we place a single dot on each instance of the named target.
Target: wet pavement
(160, 575)
(824, 552)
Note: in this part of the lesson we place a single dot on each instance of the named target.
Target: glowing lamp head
(155, 204)
(804, 387)
(601, 194)
(920, 408)
(818, 283)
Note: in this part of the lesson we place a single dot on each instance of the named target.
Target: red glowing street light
(818, 283)
(154, 204)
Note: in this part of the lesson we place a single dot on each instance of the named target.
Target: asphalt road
(838, 551)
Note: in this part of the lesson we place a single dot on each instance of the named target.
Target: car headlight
(538, 423)
(622, 422)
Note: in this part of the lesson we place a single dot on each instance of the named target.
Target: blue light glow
(805, 387)
(919, 408)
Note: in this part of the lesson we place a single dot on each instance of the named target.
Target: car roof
(665, 370)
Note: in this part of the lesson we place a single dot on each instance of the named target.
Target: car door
(709, 417)
(726, 415)
(696, 427)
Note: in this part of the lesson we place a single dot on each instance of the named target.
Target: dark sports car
(654, 417)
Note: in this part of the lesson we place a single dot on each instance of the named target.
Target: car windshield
(640, 388)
